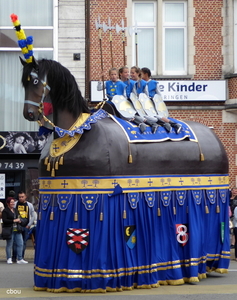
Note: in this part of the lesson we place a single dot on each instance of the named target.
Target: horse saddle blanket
(134, 134)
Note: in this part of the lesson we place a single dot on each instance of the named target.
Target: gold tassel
(48, 167)
(217, 209)
(76, 217)
(53, 173)
(56, 165)
(101, 216)
(61, 160)
(51, 216)
(202, 157)
(39, 215)
(46, 160)
(158, 212)
(124, 214)
(174, 210)
(206, 209)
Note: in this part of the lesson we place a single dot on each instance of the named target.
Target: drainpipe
(87, 50)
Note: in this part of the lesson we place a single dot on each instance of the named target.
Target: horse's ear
(23, 62)
(35, 63)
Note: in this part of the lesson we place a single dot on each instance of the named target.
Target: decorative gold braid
(62, 145)
(47, 120)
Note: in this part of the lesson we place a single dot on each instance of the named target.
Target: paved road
(16, 281)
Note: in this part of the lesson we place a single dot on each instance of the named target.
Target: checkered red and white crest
(77, 239)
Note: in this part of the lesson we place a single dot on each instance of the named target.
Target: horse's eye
(36, 81)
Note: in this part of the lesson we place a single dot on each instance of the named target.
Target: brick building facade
(210, 56)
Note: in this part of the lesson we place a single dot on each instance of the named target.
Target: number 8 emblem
(182, 234)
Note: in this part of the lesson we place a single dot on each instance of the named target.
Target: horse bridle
(45, 85)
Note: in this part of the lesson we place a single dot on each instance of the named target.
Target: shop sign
(185, 90)
(200, 90)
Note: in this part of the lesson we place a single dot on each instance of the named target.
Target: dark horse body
(101, 155)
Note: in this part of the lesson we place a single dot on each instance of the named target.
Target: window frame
(159, 33)
(182, 25)
(145, 25)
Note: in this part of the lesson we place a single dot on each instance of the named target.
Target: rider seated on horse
(115, 86)
(150, 87)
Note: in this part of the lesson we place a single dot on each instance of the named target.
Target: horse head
(48, 79)
(36, 90)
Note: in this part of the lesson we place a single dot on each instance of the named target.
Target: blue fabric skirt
(98, 243)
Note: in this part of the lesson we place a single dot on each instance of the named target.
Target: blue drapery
(176, 236)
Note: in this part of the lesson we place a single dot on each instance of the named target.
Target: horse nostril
(31, 115)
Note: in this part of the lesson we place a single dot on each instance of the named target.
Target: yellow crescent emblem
(127, 231)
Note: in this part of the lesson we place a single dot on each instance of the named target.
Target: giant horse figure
(118, 210)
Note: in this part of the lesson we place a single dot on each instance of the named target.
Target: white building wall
(71, 38)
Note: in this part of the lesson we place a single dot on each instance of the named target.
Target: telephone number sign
(12, 165)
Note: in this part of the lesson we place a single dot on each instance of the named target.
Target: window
(174, 38)
(145, 19)
(41, 26)
(162, 36)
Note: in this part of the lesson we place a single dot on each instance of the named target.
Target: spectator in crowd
(1, 209)
(235, 225)
(11, 232)
(233, 201)
(26, 211)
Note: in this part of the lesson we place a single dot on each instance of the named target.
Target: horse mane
(64, 91)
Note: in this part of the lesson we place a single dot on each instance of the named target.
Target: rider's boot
(176, 126)
(167, 126)
(140, 122)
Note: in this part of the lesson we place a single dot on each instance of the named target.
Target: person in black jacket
(11, 220)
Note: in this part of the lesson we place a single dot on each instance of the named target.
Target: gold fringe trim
(221, 271)
(61, 160)
(46, 160)
(48, 167)
(53, 172)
